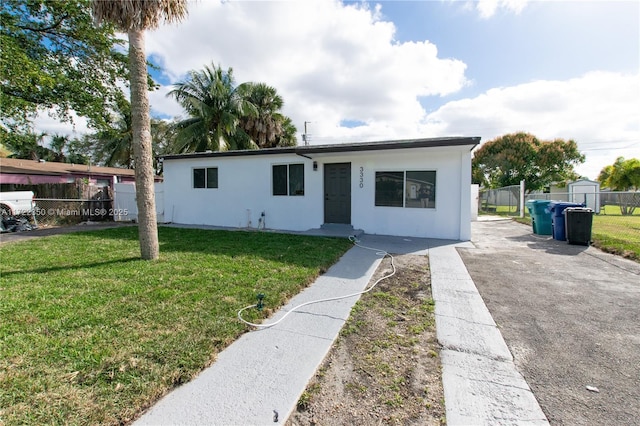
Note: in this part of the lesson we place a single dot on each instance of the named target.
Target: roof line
(331, 148)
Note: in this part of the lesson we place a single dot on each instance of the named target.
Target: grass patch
(617, 234)
(90, 334)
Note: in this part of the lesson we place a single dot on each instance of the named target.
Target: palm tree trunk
(142, 152)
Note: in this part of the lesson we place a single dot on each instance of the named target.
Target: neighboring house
(417, 188)
(16, 172)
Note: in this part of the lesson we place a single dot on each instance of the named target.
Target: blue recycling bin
(558, 227)
(540, 217)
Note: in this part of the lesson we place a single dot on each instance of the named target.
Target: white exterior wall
(245, 191)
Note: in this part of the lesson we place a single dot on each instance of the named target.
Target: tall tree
(113, 147)
(508, 159)
(32, 146)
(267, 128)
(623, 175)
(215, 106)
(135, 17)
(29, 145)
(53, 59)
(288, 135)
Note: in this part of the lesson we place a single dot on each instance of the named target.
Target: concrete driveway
(570, 316)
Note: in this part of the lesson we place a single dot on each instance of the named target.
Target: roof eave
(337, 148)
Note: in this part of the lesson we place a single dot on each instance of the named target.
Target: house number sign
(361, 177)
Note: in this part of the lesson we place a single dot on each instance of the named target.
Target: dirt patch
(384, 367)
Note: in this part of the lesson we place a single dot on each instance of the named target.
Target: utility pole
(305, 136)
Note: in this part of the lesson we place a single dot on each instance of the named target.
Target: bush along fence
(65, 204)
(65, 212)
(616, 220)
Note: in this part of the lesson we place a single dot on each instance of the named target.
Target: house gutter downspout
(305, 156)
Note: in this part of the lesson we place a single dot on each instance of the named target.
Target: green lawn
(90, 334)
(617, 234)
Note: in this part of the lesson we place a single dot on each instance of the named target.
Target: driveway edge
(481, 383)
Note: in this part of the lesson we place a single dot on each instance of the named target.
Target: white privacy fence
(125, 208)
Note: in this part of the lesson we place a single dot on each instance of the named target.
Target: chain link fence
(505, 201)
(65, 212)
(616, 222)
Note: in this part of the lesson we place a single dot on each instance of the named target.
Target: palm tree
(214, 105)
(264, 127)
(134, 17)
(269, 128)
(288, 135)
(113, 147)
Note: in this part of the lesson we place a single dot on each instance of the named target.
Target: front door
(337, 193)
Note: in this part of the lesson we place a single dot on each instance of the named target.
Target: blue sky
(359, 71)
(546, 40)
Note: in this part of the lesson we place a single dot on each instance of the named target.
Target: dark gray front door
(337, 193)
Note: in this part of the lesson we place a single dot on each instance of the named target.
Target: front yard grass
(90, 334)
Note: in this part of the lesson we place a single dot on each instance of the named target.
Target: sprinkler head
(260, 304)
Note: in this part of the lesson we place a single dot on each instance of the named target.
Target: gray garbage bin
(578, 224)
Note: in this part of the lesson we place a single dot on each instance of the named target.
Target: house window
(288, 179)
(389, 187)
(205, 178)
(412, 189)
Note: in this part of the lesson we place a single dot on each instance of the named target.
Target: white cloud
(488, 8)
(329, 61)
(333, 62)
(599, 110)
(47, 123)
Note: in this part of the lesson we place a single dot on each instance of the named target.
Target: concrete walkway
(259, 378)
(481, 383)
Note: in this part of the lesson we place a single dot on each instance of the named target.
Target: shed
(587, 192)
(413, 187)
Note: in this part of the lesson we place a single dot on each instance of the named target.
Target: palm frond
(138, 14)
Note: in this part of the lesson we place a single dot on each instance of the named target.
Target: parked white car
(16, 203)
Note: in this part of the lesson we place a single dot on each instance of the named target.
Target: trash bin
(578, 223)
(557, 209)
(540, 217)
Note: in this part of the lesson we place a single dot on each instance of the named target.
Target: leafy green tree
(223, 115)
(288, 135)
(135, 17)
(508, 159)
(215, 106)
(52, 58)
(67, 150)
(31, 146)
(268, 128)
(163, 139)
(623, 175)
(113, 147)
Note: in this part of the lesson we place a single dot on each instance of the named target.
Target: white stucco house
(418, 187)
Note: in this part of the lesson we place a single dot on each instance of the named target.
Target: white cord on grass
(354, 240)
